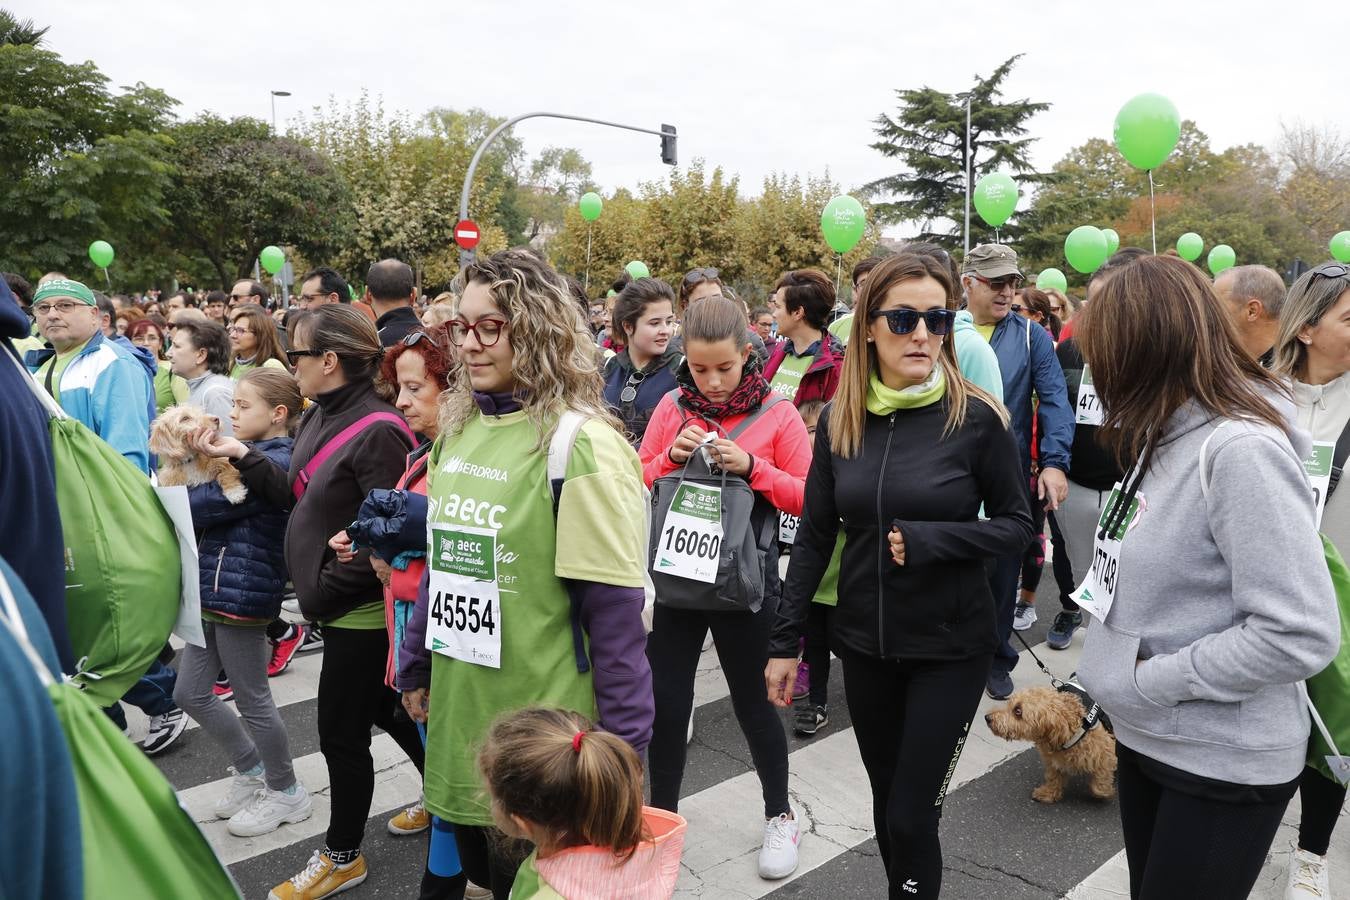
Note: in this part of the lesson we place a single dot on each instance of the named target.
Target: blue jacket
(1027, 362)
(650, 390)
(109, 390)
(976, 359)
(241, 547)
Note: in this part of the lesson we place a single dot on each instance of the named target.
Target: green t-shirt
(492, 477)
(364, 618)
(170, 389)
(987, 331)
(841, 327)
(788, 378)
(828, 592)
(60, 361)
(242, 368)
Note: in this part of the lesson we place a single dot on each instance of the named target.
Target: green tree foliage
(78, 163)
(17, 32)
(927, 135)
(238, 188)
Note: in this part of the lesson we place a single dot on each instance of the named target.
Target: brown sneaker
(413, 820)
(321, 878)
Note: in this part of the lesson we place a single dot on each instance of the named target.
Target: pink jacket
(778, 442)
(595, 873)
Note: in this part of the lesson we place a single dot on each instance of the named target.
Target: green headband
(64, 287)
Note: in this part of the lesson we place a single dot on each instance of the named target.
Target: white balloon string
(838, 271)
(997, 239)
(588, 259)
(1152, 213)
(106, 278)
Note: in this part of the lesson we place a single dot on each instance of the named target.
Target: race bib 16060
(690, 543)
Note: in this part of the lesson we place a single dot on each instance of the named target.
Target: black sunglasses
(694, 276)
(293, 355)
(630, 388)
(903, 321)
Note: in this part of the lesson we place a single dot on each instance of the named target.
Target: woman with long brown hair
(904, 457)
(254, 339)
(1208, 607)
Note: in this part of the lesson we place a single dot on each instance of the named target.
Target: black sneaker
(1060, 635)
(313, 639)
(164, 730)
(999, 685)
(811, 719)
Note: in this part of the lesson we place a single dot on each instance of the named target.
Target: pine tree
(928, 135)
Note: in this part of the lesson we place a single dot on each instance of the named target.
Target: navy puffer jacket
(240, 547)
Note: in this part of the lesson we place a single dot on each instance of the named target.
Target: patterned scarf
(747, 397)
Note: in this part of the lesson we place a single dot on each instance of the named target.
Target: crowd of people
(513, 517)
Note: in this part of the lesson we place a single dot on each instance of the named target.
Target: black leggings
(817, 652)
(742, 641)
(352, 698)
(489, 858)
(1033, 561)
(1322, 800)
(1182, 845)
(911, 719)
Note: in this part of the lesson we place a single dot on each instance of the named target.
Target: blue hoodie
(975, 358)
(1027, 362)
(29, 519)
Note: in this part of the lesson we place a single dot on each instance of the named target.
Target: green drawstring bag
(1329, 690)
(123, 573)
(138, 842)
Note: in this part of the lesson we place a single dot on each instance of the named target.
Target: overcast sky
(754, 87)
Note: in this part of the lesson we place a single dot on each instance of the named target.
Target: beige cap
(991, 261)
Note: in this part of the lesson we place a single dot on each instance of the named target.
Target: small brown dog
(1051, 719)
(179, 463)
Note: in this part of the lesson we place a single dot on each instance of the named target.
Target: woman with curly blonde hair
(535, 583)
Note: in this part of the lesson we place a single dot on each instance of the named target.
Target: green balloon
(1085, 248)
(1147, 129)
(101, 254)
(1220, 258)
(638, 269)
(995, 198)
(1112, 240)
(1190, 245)
(590, 206)
(843, 223)
(1340, 246)
(1052, 278)
(272, 259)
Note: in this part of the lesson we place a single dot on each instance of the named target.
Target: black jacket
(938, 605)
(397, 324)
(658, 381)
(375, 458)
(1090, 464)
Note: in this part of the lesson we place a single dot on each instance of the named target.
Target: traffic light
(668, 145)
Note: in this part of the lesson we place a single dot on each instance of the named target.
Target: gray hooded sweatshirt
(1223, 603)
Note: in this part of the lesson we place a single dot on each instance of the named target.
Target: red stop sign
(466, 234)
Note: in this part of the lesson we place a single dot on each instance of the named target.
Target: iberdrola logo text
(456, 465)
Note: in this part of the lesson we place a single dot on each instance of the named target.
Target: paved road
(997, 842)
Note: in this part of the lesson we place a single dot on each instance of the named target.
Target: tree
(238, 188)
(555, 179)
(77, 164)
(16, 32)
(928, 136)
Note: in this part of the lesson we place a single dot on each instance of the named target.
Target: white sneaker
(474, 892)
(1024, 616)
(241, 791)
(1308, 877)
(292, 605)
(164, 730)
(269, 810)
(778, 856)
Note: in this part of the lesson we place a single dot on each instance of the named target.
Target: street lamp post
(668, 155)
(966, 239)
(275, 95)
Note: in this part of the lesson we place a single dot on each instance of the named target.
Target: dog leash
(1054, 682)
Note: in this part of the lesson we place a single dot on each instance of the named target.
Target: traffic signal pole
(668, 156)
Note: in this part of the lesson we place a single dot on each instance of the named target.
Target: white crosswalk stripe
(828, 786)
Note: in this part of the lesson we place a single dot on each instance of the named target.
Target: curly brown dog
(1050, 719)
(179, 463)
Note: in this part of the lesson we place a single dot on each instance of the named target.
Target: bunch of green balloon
(1112, 240)
(1147, 129)
(1052, 279)
(995, 198)
(843, 223)
(1189, 246)
(590, 205)
(272, 259)
(638, 269)
(101, 254)
(1220, 258)
(1340, 246)
(1085, 248)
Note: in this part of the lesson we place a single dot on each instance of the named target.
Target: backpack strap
(559, 452)
(769, 403)
(1338, 458)
(340, 440)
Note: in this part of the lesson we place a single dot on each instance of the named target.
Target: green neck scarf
(883, 401)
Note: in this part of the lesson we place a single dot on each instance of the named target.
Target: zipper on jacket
(885, 532)
(220, 561)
